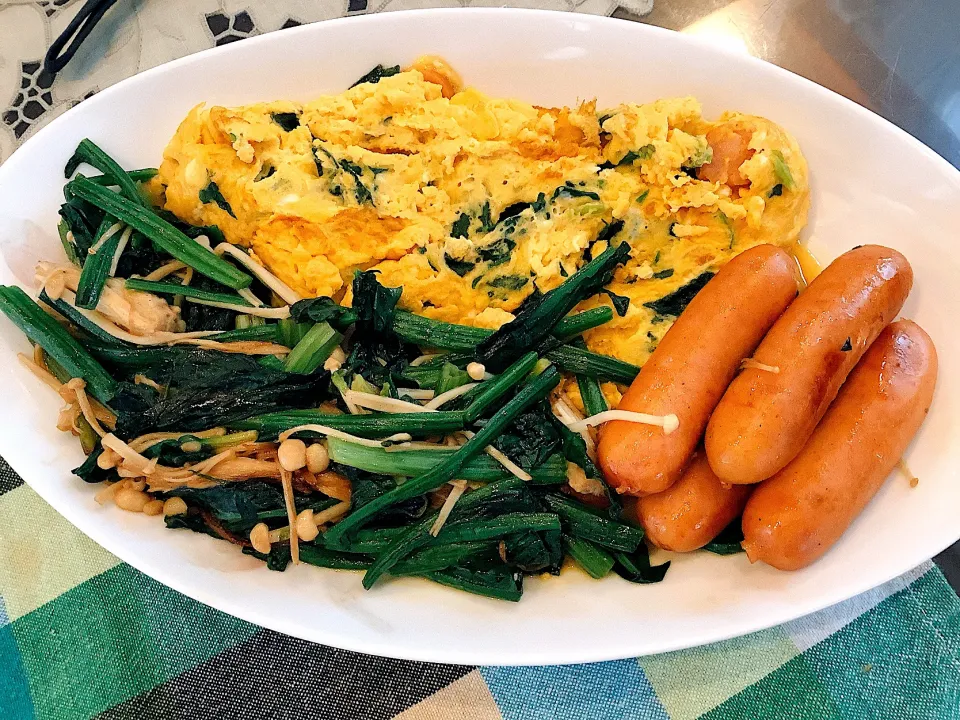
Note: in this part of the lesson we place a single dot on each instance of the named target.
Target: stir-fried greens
(365, 437)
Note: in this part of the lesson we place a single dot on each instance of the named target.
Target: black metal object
(69, 41)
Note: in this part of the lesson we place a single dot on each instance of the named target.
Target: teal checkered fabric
(84, 635)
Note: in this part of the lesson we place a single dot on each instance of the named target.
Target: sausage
(731, 148)
(692, 366)
(766, 417)
(797, 515)
(693, 511)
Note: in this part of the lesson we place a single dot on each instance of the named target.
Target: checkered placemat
(83, 635)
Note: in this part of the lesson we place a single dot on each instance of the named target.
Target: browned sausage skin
(693, 511)
(766, 417)
(797, 515)
(688, 372)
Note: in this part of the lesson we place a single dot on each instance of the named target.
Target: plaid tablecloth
(82, 634)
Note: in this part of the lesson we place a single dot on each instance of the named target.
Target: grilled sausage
(766, 416)
(690, 369)
(797, 515)
(693, 511)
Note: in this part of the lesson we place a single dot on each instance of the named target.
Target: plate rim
(98, 531)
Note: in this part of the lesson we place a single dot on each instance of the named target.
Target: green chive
(315, 347)
(56, 342)
(162, 233)
(533, 392)
(171, 288)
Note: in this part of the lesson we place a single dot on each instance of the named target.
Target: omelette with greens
(377, 331)
(471, 203)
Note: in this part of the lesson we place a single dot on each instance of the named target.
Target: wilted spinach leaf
(497, 252)
(460, 267)
(677, 301)
(531, 552)
(509, 282)
(377, 74)
(461, 226)
(288, 121)
(620, 303)
(728, 541)
(636, 566)
(323, 309)
(205, 317)
(531, 438)
(572, 191)
(211, 194)
(204, 394)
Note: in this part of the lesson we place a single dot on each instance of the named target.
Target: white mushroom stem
(284, 291)
(383, 404)
(502, 459)
(330, 432)
(459, 486)
(449, 395)
(280, 313)
(751, 364)
(570, 417)
(109, 233)
(164, 270)
(159, 337)
(121, 246)
(669, 423)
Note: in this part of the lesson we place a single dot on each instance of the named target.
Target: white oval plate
(872, 183)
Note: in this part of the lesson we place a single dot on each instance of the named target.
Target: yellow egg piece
(471, 202)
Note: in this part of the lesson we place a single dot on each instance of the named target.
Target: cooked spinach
(570, 190)
(204, 317)
(210, 392)
(670, 230)
(675, 303)
(83, 220)
(498, 252)
(609, 231)
(378, 353)
(288, 120)
(531, 438)
(486, 223)
(539, 313)
(240, 506)
(643, 153)
(90, 472)
(776, 190)
(636, 566)
(322, 309)
(620, 303)
(663, 274)
(360, 191)
(533, 552)
(194, 521)
(725, 221)
(211, 194)
(460, 267)
(140, 257)
(509, 282)
(728, 541)
(377, 74)
(266, 171)
(461, 226)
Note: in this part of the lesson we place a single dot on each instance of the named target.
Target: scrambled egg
(472, 202)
